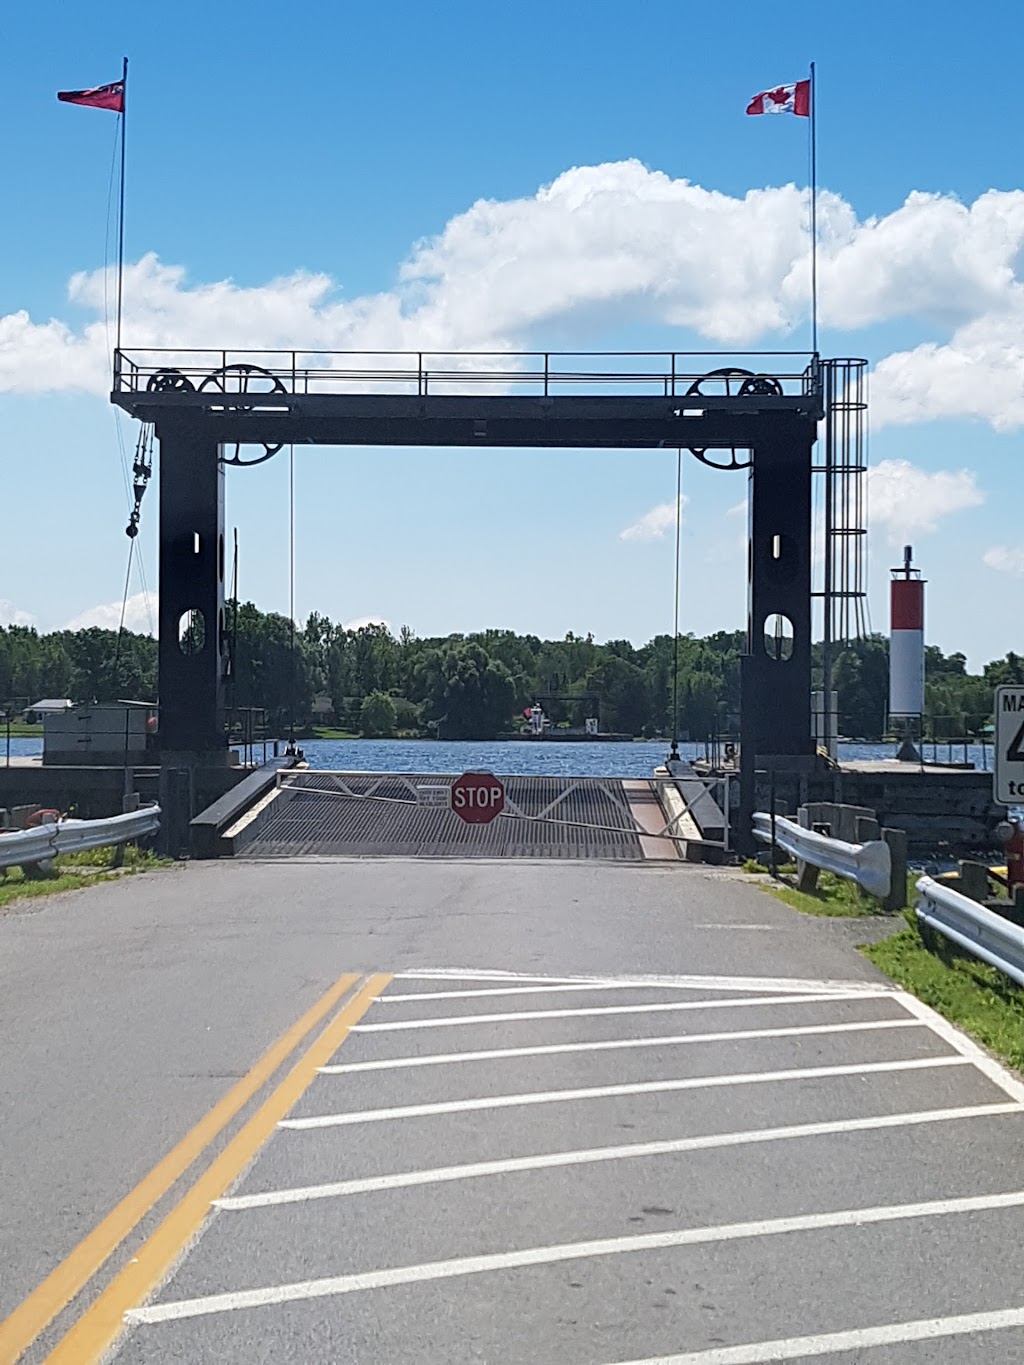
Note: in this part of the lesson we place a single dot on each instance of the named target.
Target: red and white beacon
(906, 654)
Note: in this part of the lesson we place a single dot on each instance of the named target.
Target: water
(20, 748)
(523, 758)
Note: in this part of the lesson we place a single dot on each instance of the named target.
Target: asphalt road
(703, 1129)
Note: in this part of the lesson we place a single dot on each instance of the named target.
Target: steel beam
(192, 649)
(583, 421)
(776, 701)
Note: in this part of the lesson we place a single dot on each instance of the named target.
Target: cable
(124, 605)
(291, 588)
(674, 751)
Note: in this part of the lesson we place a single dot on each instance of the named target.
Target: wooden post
(806, 873)
(897, 841)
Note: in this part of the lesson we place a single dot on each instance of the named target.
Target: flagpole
(120, 220)
(814, 213)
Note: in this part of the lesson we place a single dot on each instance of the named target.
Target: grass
(73, 871)
(329, 732)
(977, 998)
(19, 730)
(835, 897)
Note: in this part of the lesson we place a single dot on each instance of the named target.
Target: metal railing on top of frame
(708, 374)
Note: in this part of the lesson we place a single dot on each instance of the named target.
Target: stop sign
(477, 798)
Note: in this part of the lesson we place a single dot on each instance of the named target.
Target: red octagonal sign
(477, 798)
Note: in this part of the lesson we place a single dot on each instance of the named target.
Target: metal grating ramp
(370, 814)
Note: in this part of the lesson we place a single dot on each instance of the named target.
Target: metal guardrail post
(897, 841)
(806, 873)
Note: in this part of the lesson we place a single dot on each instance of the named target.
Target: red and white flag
(100, 97)
(784, 99)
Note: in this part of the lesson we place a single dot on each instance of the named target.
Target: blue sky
(565, 174)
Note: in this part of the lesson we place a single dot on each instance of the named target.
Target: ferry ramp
(408, 815)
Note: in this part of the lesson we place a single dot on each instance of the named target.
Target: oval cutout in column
(778, 637)
(192, 631)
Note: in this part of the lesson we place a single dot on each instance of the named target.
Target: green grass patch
(978, 998)
(19, 730)
(329, 732)
(133, 859)
(73, 871)
(835, 897)
(16, 886)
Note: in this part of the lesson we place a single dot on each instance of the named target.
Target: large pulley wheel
(244, 379)
(730, 382)
(170, 381)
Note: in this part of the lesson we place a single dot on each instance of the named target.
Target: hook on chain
(142, 470)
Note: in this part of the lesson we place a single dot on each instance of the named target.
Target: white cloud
(609, 246)
(11, 616)
(1005, 558)
(140, 615)
(978, 374)
(653, 524)
(905, 500)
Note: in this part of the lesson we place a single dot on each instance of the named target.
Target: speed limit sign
(1009, 746)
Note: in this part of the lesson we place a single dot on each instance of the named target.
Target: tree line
(471, 686)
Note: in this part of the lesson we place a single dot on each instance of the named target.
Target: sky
(570, 175)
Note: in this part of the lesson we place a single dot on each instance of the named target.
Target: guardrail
(868, 864)
(973, 927)
(25, 847)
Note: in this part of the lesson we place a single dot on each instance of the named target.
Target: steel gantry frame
(218, 408)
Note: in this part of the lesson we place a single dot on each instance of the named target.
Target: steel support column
(192, 647)
(776, 709)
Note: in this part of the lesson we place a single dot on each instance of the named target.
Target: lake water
(545, 758)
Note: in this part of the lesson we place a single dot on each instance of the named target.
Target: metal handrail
(673, 375)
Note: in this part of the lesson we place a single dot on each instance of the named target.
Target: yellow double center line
(99, 1326)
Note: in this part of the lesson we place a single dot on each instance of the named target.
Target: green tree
(1005, 672)
(467, 694)
(274, 669)
(377, 716)
(860, 676)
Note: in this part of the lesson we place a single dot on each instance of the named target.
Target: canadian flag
(784, 99)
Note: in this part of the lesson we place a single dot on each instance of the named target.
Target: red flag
(784, 99)
(102, 97)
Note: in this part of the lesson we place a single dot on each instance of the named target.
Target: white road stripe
(464, 1020)
(560, 988)
(600, 1092)
(967, 1047)
(333, 1286)
(859, 1339)
(709, 982)
(677, 1040)
(589, 1156)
